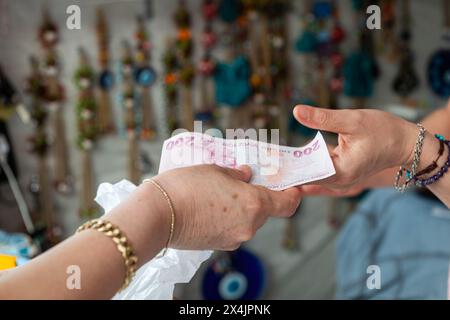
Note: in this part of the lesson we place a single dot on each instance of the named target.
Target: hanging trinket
(406, 80)
(170, 62)
(145, 77)
(39, 146)
(128, 100)
(184, 46)
(54, 97)
(87, 130)
(206, 66)
(438, 72)
(360, 67)
(105, 80)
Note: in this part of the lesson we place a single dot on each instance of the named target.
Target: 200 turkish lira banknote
(275, 167)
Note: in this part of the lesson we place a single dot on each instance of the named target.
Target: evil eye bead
(233, 286)
(106, 80)
(145, 76)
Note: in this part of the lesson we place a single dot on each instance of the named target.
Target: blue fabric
(407, 236)
(232, 82)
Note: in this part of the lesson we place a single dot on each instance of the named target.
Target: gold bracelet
(172, 212)
(123, 245)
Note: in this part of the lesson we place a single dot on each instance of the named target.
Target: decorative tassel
(54, 96)
(87, 131)
(105, 79)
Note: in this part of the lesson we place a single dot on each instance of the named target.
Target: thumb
(243, 173)
(337, 121)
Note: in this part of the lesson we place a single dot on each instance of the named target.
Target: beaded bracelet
(433, 166)
(443, 170)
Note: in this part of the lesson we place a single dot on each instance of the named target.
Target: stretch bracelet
(433, 166)
(123, 245)
(443, 170)
(172, 212)
(416, 159)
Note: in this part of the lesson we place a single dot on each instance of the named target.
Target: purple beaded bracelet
(438, 175)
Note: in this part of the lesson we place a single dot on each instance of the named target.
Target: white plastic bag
(157, 278)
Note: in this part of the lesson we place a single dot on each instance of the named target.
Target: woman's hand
(369, 142)
(216, 208)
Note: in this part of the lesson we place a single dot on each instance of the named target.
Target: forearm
(144, 220)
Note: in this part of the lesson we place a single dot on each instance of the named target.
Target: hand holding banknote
(218, 209)
(370, 143)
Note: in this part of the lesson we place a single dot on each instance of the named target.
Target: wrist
(429, 154)
(410, 134)
(145, 219)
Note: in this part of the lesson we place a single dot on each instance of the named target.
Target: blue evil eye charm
(233, 286)
(145, 76)
(106, 80)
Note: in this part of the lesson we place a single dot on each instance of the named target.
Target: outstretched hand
(369, 141)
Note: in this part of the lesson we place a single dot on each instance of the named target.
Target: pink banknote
(275, 167)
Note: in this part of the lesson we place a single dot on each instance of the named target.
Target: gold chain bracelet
(123, 245)
(172, 212)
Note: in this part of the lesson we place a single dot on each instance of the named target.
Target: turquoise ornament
(359, 75)
(307, 42)
(145, 76)
(232, 82)
(229, 10)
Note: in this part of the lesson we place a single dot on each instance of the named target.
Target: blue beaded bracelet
(443, 170)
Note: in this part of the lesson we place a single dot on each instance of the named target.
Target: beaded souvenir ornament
(87, 130)
(170, 62)
(54, 97)
(105, 80)
(129, 110)
(206, 66)
(406, 80)
(145, 77)
(39, 146)
(184, 45)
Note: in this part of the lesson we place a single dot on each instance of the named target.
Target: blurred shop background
(91, 100)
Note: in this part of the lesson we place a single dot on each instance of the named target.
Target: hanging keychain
(186, 73)
(39, 146)
(406, 80)
(105, 113)
(170, 62)
(54, 97)
(279, 66)
(360, 67)
(145, 77)
(86, 123)
(129, 106)
(338, 35)
(439, 63)
(207, 65)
